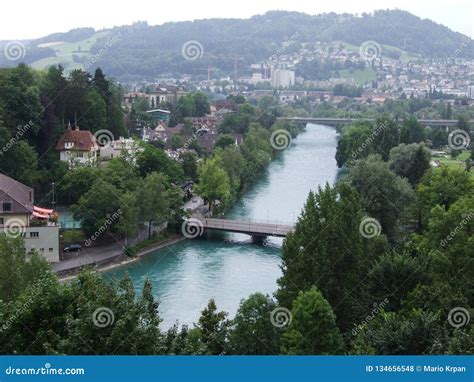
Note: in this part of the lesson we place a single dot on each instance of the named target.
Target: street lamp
(53, 201)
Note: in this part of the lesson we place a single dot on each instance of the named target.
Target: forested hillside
(144, 51)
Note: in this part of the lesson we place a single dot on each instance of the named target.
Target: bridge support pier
(258, 239)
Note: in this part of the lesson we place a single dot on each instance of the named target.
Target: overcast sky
(37, 18)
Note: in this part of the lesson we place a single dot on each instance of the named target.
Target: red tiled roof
(83, 140)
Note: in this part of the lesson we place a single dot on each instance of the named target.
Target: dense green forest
(144, 51)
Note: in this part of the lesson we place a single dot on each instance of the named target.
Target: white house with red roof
(78, 147)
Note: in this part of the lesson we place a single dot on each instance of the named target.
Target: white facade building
(282, 78)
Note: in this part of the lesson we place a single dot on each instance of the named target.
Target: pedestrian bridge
(195, 226)
(343, 121)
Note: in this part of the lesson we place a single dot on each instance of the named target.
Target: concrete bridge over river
(445, 123)
(195, 226)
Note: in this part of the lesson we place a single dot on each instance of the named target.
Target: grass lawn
(362, 76)
(65, 50)
(458, 163)
(69, 236)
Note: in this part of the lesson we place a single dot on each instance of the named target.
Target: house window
(34, 234)
(7, 206)
(1, 221)
(51, 250)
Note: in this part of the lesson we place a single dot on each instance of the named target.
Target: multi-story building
(19, 217)
(282, 78)
(470, 92)
(123, 146)
(78, 147)
(166, 93)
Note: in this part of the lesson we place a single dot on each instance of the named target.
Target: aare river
(229, 267)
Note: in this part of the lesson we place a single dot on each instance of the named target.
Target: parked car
(73, 248)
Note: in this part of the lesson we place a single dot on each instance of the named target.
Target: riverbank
(99, 262)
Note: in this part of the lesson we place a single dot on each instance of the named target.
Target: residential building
(126, 146)
(166, 93)
(20, 217)
(282, 78)
(78, 147)
(470, 92)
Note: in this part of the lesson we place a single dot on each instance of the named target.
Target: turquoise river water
(229, 267)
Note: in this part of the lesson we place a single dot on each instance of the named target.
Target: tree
(252, 332)
(356, 143)
(213, 329)
(442, 188)
(450, 236)
(225, 140)
(232, 161)
(190, 167)
(201, 105)
(313, 328)
(213, 183)
(410, 161)
(153, 159)
(327, 250)
(17, 273)
(412, 131)
(388, 137)
(17, 158)
(385, 196)
(176, 142)
(98, 209)
(463, 123)
(129, 218)
(399, 333)
(156, 198)
(76, 182)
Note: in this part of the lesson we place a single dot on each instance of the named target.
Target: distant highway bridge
(343, 121)
(195, 226)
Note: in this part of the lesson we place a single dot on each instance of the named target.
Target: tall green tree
(253, 332)
(213, 328)
(384, 195)
(313, 327)
(213, 183)
(410, 161)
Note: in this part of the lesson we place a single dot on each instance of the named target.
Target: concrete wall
(46, 243)
(18, 220)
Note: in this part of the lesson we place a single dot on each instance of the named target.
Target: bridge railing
(253, 221)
